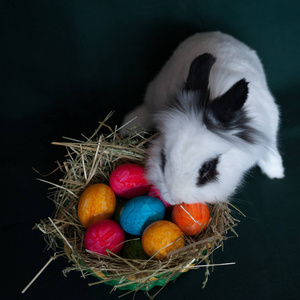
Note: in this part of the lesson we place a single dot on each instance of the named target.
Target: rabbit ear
(225, 107)
(199, 73)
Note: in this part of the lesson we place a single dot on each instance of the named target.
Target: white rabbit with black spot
(216, 118)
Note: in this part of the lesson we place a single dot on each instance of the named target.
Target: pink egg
(129, 181)
(103, 235)
(154, 192)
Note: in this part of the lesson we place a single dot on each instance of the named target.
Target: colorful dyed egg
(191, 218)
(104, 235)
(139, 212)
(154, 192)
(161, 238)
(134, 250)
(97, 202)
(129, 181)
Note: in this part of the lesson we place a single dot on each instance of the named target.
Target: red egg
(191, 218)
(154, 192)
(104, 235)
(129, 181)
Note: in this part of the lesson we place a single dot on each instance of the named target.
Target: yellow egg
(161, 238)
(97, 202)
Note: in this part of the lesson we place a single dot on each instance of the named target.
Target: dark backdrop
(66, 64)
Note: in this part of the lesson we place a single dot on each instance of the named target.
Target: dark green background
(66, 64)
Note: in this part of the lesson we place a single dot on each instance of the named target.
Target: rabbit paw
(272, 165)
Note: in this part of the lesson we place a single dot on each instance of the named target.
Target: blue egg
(140, 212)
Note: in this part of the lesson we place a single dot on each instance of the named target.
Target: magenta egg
(104, 235)
(129, 181)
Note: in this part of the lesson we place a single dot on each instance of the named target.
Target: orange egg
(161, 238)
(191, 218)
(97, 202)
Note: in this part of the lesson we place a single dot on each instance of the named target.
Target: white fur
(188, 145)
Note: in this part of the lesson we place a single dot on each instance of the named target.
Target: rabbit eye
(163, 160)
(208, 172)
(207, 167)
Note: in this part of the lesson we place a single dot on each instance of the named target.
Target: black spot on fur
(208, 172)
(238, 122)
(163, 160)
(226, 107)
(199, 72)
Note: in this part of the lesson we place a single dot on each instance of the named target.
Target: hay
(91, 161)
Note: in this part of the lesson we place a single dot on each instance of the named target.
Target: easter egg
(104, 235)
(161, 238)
(129, 181)
(191, 218)
(139, 212)
(134, 250)
(154, 192)
(97, 202)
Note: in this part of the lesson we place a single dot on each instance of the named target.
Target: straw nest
(91, 161)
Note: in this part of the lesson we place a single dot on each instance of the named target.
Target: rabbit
(216, 120)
